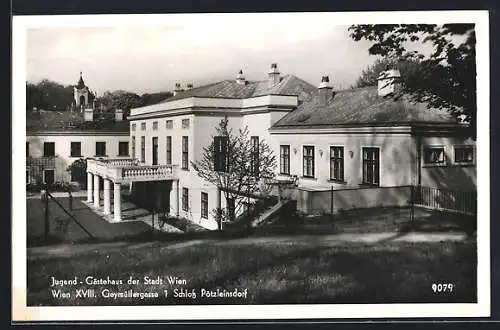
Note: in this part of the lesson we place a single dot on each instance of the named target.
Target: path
(98, 227)
(68, 250)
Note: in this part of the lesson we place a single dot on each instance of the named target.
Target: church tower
(82, 95)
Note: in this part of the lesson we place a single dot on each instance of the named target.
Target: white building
(369, 145)
(54, 140)
(168, 136)
(344, 142)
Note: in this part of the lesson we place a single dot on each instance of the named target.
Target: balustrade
(126, 170)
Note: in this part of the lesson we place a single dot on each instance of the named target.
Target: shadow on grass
(357, 221)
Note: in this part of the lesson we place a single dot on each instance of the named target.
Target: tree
(120, 100)
(237, 165)
(447, 75)
(369, 76)
(48, 95)
(148, 99)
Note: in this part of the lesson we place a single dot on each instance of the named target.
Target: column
(107, 196)
(117, 208)
(89, 186)
(96, 191)
(219, 208)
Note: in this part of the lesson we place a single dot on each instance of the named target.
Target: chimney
(88, 114)
(325, 91)
(240, 78)
(118, 114)
(177, 88)
(274, 75)
(389, 82)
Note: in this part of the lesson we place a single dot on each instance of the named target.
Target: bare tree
(239, 165)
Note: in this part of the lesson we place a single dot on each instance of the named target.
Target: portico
(118, 172)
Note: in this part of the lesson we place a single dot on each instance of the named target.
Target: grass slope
(273, 272)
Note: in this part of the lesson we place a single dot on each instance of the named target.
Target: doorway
(48, 176)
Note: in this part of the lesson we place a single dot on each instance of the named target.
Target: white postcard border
(20, 312)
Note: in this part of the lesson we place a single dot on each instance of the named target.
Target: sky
(148, 59)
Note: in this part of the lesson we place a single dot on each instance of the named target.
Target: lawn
(273, 272)
(376, 220)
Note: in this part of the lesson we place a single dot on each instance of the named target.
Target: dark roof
(363, 106)
(67, 121)
(289, 85)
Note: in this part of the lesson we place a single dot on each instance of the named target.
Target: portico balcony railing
(128, 170)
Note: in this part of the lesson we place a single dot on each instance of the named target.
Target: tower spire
(80, 84)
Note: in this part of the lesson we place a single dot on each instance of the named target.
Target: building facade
(55, 139)
(172, 134)
(363, 145)
(370, 143)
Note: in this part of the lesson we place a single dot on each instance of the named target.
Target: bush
(53, 187)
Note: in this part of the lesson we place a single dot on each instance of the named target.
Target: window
(231, 209)
(337, 163)
(143, 126)
(169, 124)
(433, 155)
(371, 166)
(27, 177)
(100, 149)
(27, 149)
(123, 148)
(76, 149)
(169, 150)
(185, 199)
(285, 159)
(254, 165)
(155, 150)
(143, 149)
(204, 205)
(48, 176)
(185, 153)
(464, 154)
(308, 161)
(155, 125)
(133, 127)
(133, 147)
(185, 123)
(221, 153)
(49, 149)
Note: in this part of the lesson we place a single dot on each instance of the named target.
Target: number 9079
(442, 287)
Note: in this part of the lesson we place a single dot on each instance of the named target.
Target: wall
(450, 176)
(63, 148)
(317, 202)
(396, 152)
(162, 132)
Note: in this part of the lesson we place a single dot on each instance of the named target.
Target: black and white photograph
(251, 166)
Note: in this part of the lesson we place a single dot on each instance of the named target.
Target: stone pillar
(96, 191)
(219, 208)
(107, 196)
(219, 199)
(89, 186)
(117, 207)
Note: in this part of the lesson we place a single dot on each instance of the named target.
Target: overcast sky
(153, 59)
